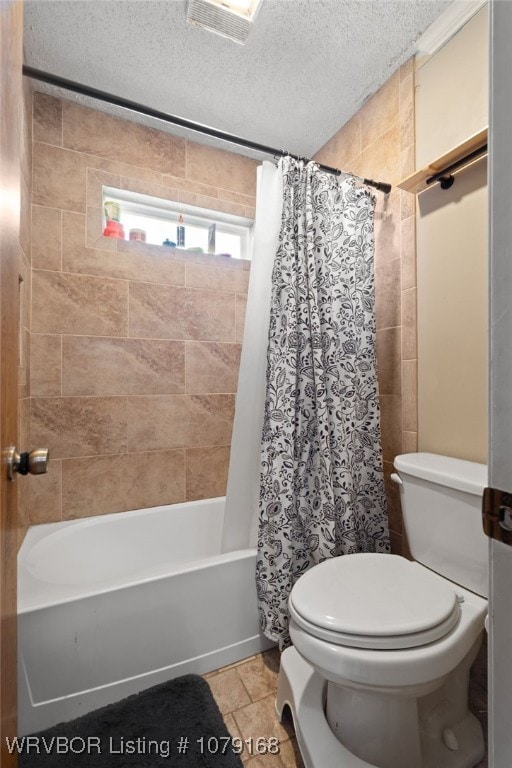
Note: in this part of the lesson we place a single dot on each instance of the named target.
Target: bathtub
(111, 605)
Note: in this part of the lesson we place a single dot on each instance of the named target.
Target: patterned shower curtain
(322, 490)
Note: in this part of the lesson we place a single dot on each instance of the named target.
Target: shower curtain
(243, 489)
(322, 491)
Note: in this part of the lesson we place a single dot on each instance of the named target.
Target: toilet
(378, 673)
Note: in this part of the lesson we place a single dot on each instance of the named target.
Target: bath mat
(174, 724)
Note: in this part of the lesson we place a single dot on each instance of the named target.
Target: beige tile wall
(135, 347)
(378, 142)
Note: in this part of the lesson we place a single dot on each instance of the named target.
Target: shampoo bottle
(180, 233)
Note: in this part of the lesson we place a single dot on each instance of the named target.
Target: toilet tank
(441, 504)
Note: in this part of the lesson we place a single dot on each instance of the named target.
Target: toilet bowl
(386, 644)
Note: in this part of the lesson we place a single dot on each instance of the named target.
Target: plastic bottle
(180, 233)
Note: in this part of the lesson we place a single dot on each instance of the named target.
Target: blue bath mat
(174, 724)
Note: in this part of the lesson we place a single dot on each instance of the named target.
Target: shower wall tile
(387, 229)
(96, 133)
(410, 388)
(410, 442)
(46, 495)
(103, 485)
(409, 344)
(240, 310)
(79, 426)
(186, 185)
(66, 303)
(58, 178)
(206, 472)
(166, 312)
(387, 299)
(156, 478)
(96, 179)
(393, 499)
(379, 113)
(388, 348)
(151, 188)
(47, 119)
(391, 426)
(179, 421)
(225, 206)
(25, 218)
(212, 367)
(217, 278)
(157, 256)
(135, 172)
(407, 204)
(96, 485)
(407, 112)
(114, 366)
(407, 161)
(134, 262)
(248, 201)
(211, 260)
(46, 238)
(108, 389)
(383, 154)
(408, 252)
(221, 169)
(45, 365)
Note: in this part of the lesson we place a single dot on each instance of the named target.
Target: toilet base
(304, 691)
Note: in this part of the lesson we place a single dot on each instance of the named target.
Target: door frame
(11, 101)
(500, 374)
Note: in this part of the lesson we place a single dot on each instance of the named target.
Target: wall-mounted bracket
(497, 515)
(442, 168)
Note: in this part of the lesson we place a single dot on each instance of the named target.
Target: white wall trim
(447, 25)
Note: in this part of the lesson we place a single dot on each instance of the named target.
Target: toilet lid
(374, 601)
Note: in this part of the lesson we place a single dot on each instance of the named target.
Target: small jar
(138, 234)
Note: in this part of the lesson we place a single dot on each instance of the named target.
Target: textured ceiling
(306, 68)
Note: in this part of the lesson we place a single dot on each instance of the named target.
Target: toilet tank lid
(459, 474)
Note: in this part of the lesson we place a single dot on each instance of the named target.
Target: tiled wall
(135, 348)
(378, 142)
(25, 278)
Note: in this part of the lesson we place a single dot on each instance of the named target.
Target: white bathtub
(110, 605)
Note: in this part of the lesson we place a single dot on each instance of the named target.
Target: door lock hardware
(33, 462)
(497, 515)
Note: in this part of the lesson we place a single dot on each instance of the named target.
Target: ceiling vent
(232, 18)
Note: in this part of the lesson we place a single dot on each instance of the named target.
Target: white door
(500, 390)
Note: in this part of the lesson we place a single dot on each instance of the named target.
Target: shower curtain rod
(84, 90)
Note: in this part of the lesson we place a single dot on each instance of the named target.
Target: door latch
(497, 515)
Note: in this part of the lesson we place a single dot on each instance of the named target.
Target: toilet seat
(374, 601)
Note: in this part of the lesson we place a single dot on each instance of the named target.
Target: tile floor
(245, 694)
